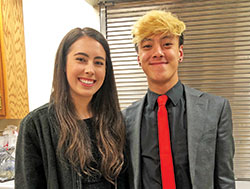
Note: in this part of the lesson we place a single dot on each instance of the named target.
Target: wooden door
(2, 99)
(13, 80)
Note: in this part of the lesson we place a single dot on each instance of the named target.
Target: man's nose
(158, 52)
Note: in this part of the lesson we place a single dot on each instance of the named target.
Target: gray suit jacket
(210, 141)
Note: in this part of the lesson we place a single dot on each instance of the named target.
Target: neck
(84, 113)
(83, 108)
(160, 88)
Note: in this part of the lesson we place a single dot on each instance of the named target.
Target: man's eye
(167, 44)
(146, 46)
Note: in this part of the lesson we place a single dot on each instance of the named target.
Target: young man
(200, 124)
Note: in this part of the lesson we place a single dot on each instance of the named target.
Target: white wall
(45, 24)
(242, 184)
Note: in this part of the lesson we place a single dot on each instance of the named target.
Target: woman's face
(85, 68)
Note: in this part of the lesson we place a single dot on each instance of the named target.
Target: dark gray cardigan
(37, 164)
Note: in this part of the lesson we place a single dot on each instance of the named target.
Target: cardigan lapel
(196, 107)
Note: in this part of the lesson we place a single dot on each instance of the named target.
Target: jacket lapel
(196, 107)
(133, 133)
(196, 111)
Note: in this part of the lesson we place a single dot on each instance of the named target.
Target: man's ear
(138, 60)
(181, 53)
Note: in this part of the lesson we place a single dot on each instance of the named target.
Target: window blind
(216, 57)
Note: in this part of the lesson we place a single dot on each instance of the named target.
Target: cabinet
(2, 102)
(13, 74)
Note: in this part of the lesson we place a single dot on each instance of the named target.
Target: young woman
(77, 139)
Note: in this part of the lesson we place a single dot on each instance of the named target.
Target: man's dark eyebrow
(149, 39)
(84, 54)
(146, 39)
(167, 37)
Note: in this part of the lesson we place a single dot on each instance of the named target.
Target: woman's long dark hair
(108, 122)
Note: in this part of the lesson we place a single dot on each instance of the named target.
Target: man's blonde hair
(156, 22)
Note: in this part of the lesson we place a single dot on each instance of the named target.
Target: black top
(95, 181)
(176, 107)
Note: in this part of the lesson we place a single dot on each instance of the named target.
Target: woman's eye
(80, 59)
(99, 63)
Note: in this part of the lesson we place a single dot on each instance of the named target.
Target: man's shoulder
(135, 106)
(195, 92)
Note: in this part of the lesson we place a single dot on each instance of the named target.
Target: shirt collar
(174, 94)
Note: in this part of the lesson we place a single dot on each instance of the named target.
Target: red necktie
(167, 169)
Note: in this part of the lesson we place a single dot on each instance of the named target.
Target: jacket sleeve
(29, 171)
(224, 175)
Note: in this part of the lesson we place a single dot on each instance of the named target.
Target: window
(216, 57)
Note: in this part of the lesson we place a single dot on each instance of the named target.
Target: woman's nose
(89, 69)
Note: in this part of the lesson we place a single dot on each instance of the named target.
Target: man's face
(159, 56)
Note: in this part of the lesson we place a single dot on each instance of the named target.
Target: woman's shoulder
(38, 112)
(40, 116)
